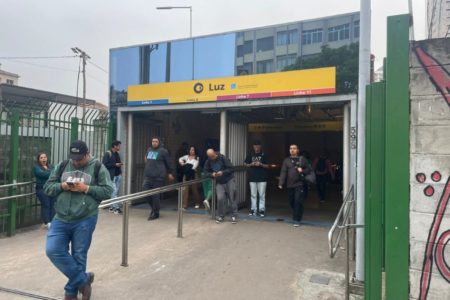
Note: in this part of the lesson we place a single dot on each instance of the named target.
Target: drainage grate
(320, 279)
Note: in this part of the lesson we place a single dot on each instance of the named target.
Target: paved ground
(250, 260)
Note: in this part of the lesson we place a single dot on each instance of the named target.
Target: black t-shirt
(257, 174)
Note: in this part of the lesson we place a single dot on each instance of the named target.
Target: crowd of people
(71, 192)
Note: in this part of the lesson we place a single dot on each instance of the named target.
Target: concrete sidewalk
(249, 260)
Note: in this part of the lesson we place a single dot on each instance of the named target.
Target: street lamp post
(190, 28)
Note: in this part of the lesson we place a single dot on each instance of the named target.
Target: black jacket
(220, 164)
(158, 163)
(109, 160)
(289, 173)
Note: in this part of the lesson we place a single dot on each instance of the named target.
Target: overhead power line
(36, 57)
(97, 66)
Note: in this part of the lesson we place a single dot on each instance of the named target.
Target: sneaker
(206, 204)
(117, 211)
(233, 220)
(296, 224)
(197, 206)
(86, 290)
(219, 220)
(262, 214)
(111, 209)
(251, 213)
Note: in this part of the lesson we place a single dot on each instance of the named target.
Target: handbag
(311, 177)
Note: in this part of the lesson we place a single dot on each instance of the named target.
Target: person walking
(111, 160)
(219, 167)
(42, 170)
(324, 172)
(79, 185)
(189, 165)
(293, 171)
(158, 166)
(257, 165)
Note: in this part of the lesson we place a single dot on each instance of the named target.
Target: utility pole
(84, 56)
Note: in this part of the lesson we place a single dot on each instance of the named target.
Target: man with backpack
(324, 171)
(79, 185)
(112, 162)
(219, 167)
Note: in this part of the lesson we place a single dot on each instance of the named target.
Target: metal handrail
(126, 200)
(15, 184)
(344, 211)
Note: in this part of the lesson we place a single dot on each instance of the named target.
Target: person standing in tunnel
(256, 161)
(293, 171)
(158, 166)
(324, 172)
(219, 167)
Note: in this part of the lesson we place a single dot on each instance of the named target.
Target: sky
(30, 28)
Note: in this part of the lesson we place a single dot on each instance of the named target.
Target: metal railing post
(213, 199)
(14, 166)
(74, 129)
(347, 265)
(180, 212)
(125, 219)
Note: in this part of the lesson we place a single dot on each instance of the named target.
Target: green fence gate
(30, 126)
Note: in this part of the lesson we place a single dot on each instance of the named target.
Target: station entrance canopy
(270, 85)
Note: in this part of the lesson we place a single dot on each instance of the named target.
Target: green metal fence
(30, 126)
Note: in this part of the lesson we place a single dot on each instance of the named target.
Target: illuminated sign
(296, 126)
(271, 85)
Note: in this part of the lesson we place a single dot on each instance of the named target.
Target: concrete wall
(430, 170)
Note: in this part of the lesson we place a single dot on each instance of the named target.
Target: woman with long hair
(189, 164)
(42, 170)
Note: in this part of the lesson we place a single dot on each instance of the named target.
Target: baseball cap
(78, 149)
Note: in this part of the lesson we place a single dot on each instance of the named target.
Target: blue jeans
(47, 206)
(117, 180)
(73, 264)
(296, 197)
(258, 188)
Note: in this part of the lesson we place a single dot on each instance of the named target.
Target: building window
(245, 69)
(312, 36)
(247, 48)
(9, 81)
(265, 66)
(356, 29)
(240, 34)
(287, 37)
(264, 44)
(339, 33)
(285, 60)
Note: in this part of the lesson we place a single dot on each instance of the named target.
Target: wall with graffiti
(430, 170)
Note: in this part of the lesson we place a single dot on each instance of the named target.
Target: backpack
(63, 166)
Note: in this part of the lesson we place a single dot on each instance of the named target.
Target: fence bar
(74, 129)
(180, 212)
(12, 204)
(15, 184)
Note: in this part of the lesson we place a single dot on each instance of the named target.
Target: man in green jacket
(79, 185)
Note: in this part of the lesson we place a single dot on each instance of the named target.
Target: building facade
(8, 78)
(253, 51)
(438, 18)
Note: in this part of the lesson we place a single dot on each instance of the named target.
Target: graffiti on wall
(435, 246)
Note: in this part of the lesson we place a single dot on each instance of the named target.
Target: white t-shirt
(185, 160)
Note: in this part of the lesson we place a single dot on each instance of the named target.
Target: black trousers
(296, 197)
(155, 200)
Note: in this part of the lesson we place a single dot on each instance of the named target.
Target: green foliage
(345, 59)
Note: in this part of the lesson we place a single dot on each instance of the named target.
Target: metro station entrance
(316, 124)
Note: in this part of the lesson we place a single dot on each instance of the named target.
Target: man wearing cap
(158, 166)
(257, 165)
(79, 185)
